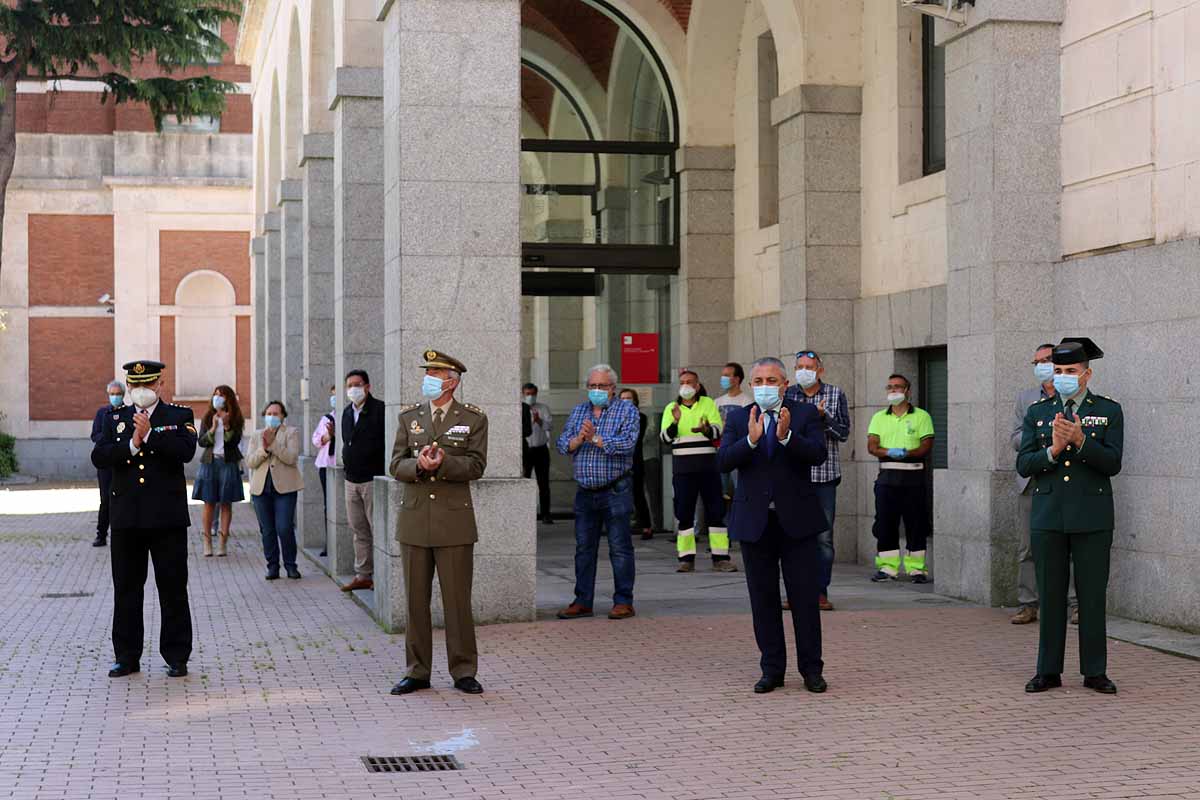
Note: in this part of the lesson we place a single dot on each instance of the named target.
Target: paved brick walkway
(289, 687)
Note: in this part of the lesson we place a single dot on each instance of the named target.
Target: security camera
(942, 9)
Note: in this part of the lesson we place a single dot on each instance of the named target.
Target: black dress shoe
(409, 685)
(99, 541)
(176, 670)
(323, 554)
(815, 683)
(293, 573)
(273, 575)
(468, 685)
(919, 578)
(120, 670)
(1040, 683)
(1101, 684)
(767, 684)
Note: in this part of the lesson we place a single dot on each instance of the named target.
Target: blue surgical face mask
(1066, 385)
(726, 383)
(767, 397)
(116, 400)
(598, 397)
(218, 402)
(332, 402)
(431, 387)
(272, 421)
(1043, 372)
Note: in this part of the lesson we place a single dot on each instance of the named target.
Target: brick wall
(70, 258)
(238, 116)
(73, 357)
(182, 252)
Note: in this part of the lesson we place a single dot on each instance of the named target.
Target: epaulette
(476, 409)
(1040, 400)
(410, 407)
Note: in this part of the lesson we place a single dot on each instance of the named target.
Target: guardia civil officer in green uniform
(146, 445)
(441, 446)
(1071, 447)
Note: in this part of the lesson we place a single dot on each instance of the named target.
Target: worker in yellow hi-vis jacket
(691, 424)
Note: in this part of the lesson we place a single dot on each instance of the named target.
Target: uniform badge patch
(191, 428)
(1041, 422)
(461, 430)
(415, 427)
(120, 427)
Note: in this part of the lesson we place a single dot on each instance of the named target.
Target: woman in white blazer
(275, 483)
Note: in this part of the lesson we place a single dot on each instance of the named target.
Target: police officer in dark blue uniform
(146, 445)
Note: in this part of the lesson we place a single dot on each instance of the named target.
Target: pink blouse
(324, 457)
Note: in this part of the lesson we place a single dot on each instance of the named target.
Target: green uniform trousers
(1054, 552)
(454, 566)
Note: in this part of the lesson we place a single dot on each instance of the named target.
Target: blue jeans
(277, 523)
(827, 497)
(609, 511)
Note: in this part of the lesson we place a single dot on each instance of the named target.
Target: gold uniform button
(1093, 434)
(433, 478)
(1067, 478)
(143, 466)
(1067, 464)
(141, 480)
(433, 497)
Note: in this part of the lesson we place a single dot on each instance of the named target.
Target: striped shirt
(836, 423)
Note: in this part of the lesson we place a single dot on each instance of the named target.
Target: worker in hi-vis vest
(691, 424)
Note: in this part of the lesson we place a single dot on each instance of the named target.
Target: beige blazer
(280, 460)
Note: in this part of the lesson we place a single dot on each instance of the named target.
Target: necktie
(769, 433)
(437, 419)
(1071, 410)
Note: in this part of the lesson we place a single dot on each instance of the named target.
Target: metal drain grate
(60, 595)
(433, 763)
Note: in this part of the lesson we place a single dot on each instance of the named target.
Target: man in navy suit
(776, 515)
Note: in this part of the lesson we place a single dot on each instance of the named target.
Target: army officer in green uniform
(441, 446)
(1071, 448)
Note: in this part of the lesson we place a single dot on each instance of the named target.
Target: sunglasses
(807, 354)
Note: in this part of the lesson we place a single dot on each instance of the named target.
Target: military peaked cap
(143, 371)
(438, 360)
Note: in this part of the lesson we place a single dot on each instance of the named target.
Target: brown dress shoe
(725, 565)
(824, 604)
(686, 566)
(359, 583)
(1026, 615)
(1075, 615)
(786, 606)
(574, 611)
(621, 611)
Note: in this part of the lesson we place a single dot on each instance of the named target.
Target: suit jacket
(1025, 399)
(437, 510)
(783, 478)
(1073, 495)
(364, 451)
(279, 461)
(98, 424)
(149, 489)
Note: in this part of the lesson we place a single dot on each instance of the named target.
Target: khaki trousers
(360, 506)
(454, 566)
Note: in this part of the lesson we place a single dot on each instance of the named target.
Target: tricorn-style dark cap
(1076, 350)
(143, 371)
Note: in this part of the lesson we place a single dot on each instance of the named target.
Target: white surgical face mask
(806, 377)
(142, 397)
(218, 402)
(355, 394)
(530, 399)
(687, 392)
(895, 398)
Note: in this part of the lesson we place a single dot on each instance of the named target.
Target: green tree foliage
(105, 41)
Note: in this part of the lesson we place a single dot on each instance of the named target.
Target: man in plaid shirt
(835, 416)
(600, 436)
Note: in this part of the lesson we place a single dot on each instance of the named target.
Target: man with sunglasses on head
(830, 400)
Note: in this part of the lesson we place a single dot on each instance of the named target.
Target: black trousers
(537, 461)
(641, 508)
(104, 476)
(131, 547)
(800, 563)
(895, 503)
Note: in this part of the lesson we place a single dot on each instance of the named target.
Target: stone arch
(669, 42)
(274, 158)
(260, 168)
(576, 79)
(205, 333)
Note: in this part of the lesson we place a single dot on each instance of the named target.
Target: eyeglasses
(599, 386)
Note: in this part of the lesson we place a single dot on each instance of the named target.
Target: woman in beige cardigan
(275, 483)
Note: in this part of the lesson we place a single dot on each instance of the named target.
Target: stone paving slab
(289, 681)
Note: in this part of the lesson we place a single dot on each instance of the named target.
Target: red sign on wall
(639, 357)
